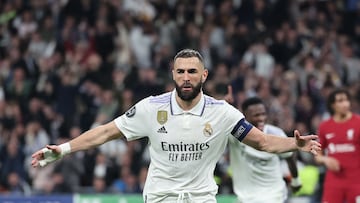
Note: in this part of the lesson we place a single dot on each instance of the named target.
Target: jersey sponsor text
(184, 152)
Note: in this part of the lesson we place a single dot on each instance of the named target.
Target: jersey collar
(197, 110)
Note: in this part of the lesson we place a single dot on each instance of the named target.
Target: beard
(188, 95)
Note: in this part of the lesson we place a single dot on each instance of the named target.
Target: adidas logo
(162, 130)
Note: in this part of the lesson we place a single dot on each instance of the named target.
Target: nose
(186, 76)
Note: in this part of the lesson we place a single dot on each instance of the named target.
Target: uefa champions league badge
(131, 112)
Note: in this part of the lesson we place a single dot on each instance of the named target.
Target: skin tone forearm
(89, 139)
(276, 144)
(95, 137)
(295, 183)
(291, 162)
(320, 159)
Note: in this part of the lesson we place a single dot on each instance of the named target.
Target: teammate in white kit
(257, 176)
(187, 132)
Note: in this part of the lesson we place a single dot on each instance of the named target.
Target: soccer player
(340, 136)
(257, 175)
(187, 133)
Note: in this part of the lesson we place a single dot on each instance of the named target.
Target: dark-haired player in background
(257, 175)
(340, 138)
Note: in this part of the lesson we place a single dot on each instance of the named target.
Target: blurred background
(68, 66)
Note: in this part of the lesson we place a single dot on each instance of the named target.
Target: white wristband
(295, 182)
(65, 149)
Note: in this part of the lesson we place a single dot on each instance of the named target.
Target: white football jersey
(184, 146)
(257, 175)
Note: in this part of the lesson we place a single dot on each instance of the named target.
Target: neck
(187, 105)
(342, 117)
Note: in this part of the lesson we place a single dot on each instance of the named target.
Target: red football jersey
(342, 141)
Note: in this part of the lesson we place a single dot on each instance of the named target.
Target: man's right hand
(49, 154)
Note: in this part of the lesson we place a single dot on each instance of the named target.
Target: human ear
(204, 76)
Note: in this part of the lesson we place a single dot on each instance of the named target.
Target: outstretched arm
(276, 144)
(89, 139)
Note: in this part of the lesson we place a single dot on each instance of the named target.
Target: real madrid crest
(162, 117)
(208, 131)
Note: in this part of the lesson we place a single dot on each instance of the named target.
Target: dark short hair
(188, 53)
(332, 97)
(251, 101)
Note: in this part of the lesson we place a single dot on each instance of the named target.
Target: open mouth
(187, 88)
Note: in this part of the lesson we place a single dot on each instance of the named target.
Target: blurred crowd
(67, 66)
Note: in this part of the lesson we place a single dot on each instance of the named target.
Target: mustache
(186, 84)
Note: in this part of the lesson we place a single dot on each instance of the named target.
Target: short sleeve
(239, 126)
(134, 122)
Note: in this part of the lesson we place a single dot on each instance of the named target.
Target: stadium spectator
(12, 159)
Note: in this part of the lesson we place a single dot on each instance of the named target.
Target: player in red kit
(340, 138)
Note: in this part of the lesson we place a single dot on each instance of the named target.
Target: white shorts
(181, 198)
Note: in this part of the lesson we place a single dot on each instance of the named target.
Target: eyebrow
(190, 70)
